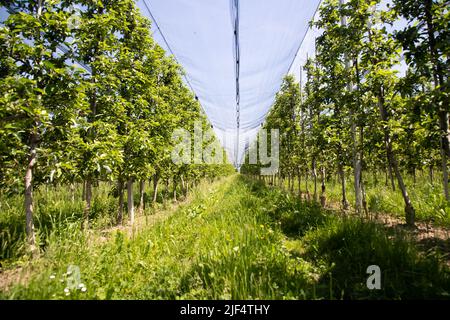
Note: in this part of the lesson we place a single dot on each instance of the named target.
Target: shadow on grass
(247, 275)
(350, 246)
(347, 246)
(55, 212)
(294, 215)
(437, 245)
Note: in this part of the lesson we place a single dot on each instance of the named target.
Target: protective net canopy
(235, 54)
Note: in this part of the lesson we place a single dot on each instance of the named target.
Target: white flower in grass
(52, 276)
(83, 289)
(66, 290)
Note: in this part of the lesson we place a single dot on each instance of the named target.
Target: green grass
(237, 239)
(57, 208)
(345, 246)
(428, 198)
(220, 246)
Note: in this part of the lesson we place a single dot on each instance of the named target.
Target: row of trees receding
(86, 95)
(356, 111)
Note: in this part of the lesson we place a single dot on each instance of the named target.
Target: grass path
(94, 237)
(234, 239)
(220, 235)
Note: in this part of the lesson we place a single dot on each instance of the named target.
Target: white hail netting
(200, 34)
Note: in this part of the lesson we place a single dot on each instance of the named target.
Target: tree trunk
(72, 192)
(83, 192)
(174, 182)
(323, 197)
(355, 146)
(431, 174)
(130, 200)
(149, 182)
(308, 197)
(357, 167)
(155, 189)
(88, 202)
(120, 209)
(391, 175)
(29, 210)
(364, 201)
(183, 186)
(386, 177)
(314, 172)
(341, 173)
(438, 76)
(445, 153)
(166, 189)
(299, 184)
(363, 190)
(409, 209)
(141, 195)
